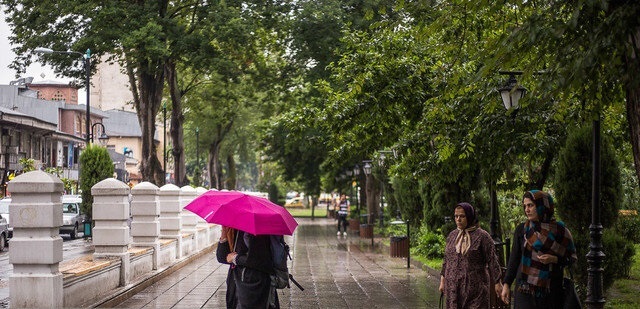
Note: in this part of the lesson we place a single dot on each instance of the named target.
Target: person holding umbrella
(225, 246)
(252, 274)
(247, 221)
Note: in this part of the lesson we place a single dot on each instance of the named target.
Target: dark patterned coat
(466, 277)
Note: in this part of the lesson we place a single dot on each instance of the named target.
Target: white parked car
(5, 231)
(4, 213)
(72, 217)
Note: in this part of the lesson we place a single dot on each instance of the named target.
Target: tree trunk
(632, 87)
(177, 125)
(215, 172)
(214, 153)
(231, 181)
(147, 96)
(373, 201)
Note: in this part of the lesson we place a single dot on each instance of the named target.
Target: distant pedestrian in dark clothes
(225, 246)
(542, 247)
(469, 258)
(251, 270)
(343, 211)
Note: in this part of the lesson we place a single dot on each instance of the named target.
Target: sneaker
(338, 233)
(344, 233)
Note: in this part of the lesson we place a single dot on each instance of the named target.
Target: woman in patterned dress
(470, 256)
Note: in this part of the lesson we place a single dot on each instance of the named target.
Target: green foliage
(69, 184)
(406, 193)
(619, 253)
(27, 164)
(511, 212)
(428, 243)
(628, 226)
(572, 182)
(95, 166)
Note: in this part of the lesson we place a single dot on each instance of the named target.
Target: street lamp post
(349, 173)
(367, 172)
(87, 68)
(356, 173)
(164, 139)
(595, 256)
(197, 150)
(381, 160)
(511, 93)
(103, 139)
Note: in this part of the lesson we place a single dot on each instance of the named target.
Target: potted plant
(354, 220)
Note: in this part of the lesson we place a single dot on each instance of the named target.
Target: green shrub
(573, 182)
(617, 262)
(629, 227)
(95, 166)
(573, 203)
(429, 244)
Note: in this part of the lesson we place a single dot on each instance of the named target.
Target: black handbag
(571, 299)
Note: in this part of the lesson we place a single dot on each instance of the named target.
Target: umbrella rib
(207, 216)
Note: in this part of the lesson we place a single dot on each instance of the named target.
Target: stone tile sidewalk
(336, 272)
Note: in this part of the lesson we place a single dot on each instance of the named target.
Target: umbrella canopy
(252, 214)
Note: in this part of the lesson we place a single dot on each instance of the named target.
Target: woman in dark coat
(251, 271)
(225, 246)
(470, 257)
(542, 247)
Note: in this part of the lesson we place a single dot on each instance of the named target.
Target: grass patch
(625, 293)
(431, 263)
(306, 212)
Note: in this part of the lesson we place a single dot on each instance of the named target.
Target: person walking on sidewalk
(251, 270)
(249, 278)
(225, 247)
(343, 211)
(470, 257)
(542, 247)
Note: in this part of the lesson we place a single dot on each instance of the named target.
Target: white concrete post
(189, 219)
(36, 246)
(170, 221)
(145, 227)
(202, 226)
(110, 215)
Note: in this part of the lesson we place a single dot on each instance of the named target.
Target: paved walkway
(336, 272)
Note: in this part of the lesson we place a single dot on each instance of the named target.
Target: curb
(128, 291)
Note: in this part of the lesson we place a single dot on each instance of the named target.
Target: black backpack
(279, 254)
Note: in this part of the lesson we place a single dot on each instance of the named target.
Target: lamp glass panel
(506, 98)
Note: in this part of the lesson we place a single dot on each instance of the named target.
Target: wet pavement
(336, 272)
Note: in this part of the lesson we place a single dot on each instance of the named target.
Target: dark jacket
(251, 274)
(221, 254)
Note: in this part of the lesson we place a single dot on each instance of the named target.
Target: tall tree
(141, 36)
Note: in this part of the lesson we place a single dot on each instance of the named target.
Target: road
(71, 248)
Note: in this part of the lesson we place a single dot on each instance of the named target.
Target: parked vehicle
(296, 202)
(4, 213)
(4, 233)
(72, 218)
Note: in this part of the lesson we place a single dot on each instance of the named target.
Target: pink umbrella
(252, 214)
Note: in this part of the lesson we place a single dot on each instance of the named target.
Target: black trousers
(342, 221)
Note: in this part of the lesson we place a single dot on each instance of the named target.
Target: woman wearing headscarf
(470, 257)
(542, 247)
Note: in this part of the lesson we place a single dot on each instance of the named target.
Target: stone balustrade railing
(161, 235)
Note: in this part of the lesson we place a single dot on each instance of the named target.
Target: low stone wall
(123, 257)
(88, 282)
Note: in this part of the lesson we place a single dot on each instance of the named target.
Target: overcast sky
(35, 70)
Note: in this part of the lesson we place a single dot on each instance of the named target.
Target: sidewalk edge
(131, 289)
